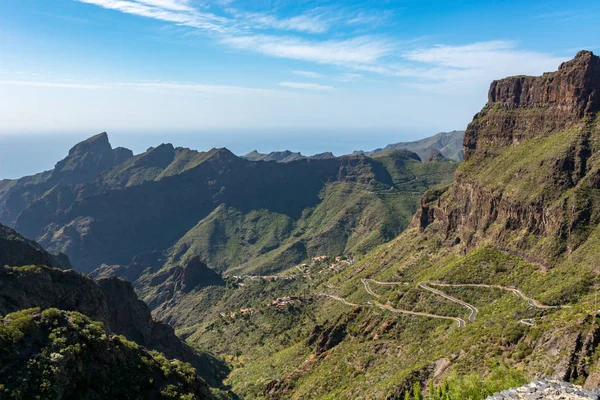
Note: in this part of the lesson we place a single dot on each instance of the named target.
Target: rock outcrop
(530, 177)
(547, 104)
(549, 389)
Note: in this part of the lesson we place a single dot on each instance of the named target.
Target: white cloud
(348, 77)
(360, 50)
(167, 10)
(467, 70)
(308, 74)
(300, 23)
(170, 86)
(239, 30)
(178, 5)
(306, 86)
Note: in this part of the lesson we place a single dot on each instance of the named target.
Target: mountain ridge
(164, 192)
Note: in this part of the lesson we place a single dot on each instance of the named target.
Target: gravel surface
(547, 388)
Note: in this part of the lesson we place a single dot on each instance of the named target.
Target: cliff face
(530, 181)
(544, 104)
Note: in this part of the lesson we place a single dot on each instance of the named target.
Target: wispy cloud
(306, 86)
(175, 11)
(348, 77)
(360, 50)
(242, 30)
(307, 74)
(451, 68)
(311, 23)
(438, 67)
(170, 86)
(177, 5)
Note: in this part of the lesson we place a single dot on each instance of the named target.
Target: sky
(303, 75)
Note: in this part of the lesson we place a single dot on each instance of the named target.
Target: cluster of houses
(245, 312)
(268, 278)
(281, 302)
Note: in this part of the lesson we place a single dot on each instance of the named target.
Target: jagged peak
(96, 144)
(160, 156)
(221, 153)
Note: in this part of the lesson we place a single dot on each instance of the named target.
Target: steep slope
(449, 144)
(168, 205)
(25, 283)
(16, 250)
(530, 178)
(368, 203)
(54, 354)
(84, 162)
(494, 282)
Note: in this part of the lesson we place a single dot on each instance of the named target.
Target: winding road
(472, 309)
(368, 288)
(461, 322)
(338, 299)
(517, 292)
(427, 286)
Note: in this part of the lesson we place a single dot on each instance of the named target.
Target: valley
(367, 276)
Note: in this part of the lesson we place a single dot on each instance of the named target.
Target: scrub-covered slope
(26, 281)
(53, 354)
(493, 284)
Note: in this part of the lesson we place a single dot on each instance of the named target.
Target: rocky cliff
(523, 107)
(530, 181)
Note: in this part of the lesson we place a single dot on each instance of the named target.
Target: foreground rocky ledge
(547, 388)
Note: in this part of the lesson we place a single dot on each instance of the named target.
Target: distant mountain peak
(278, 156)
(96, 144)
(449, 144)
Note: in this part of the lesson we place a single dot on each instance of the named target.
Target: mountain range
(383, 275)
(448, 144)
(167, 205)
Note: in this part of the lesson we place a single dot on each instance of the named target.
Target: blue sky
(283, 72)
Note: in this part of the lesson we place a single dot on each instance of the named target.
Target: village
(318, 265)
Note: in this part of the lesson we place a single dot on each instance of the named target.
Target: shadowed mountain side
(25, 284)
(16, 250)
(154, 202)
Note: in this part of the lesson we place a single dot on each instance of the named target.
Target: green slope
(371, 205)
(55, 354)
(516, 233)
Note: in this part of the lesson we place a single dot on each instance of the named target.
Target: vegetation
(54, 354)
